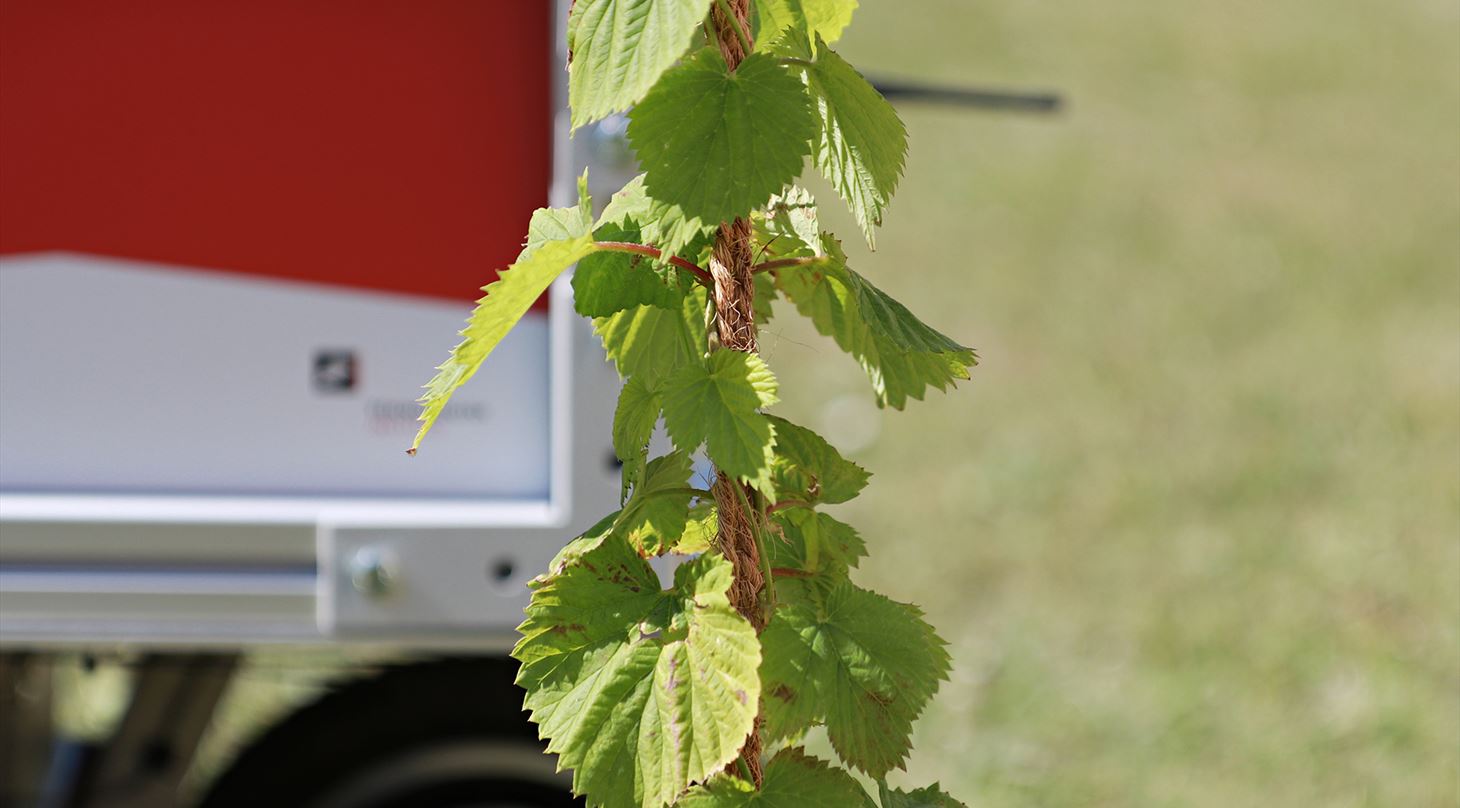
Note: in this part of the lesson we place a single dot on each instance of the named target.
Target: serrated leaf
(717, 403)
(640, 691)
(660, 224)
(863, 664)
(927, 797)
(861, 144)
(901, 355)
(809, 469)
(506, 300)
(633, 425)
(718, 143)
(608, 282)
(621, 48)
(793, 779)
(650, 342)
(827, 18)
(654, 517)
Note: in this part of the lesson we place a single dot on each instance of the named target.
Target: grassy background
(1193, 530)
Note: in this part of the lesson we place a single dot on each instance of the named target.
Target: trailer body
(234, 241)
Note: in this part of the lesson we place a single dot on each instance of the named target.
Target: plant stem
(782, 263)
(787, 503)
(653, 252)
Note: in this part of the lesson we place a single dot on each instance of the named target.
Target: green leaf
(928, 797)
(640, 691)
(793, 779)
(506, 300)
(815, 544)
(576, 548)
(718, 144)
(790, 226)
(650, 342)
(633, 425)
(653, 519)
(560, 224)
(810, 469)
(699, 530)
(621, 47)
(660, 224)
(862, 145)
(826, 18)
(717, 403)
(608, 282)
(900, 354)
(863, 664)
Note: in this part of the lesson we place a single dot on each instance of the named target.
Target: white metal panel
(126, 377)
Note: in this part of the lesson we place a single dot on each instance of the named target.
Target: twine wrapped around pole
(734, 291)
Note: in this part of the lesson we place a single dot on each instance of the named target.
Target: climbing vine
(698, 695)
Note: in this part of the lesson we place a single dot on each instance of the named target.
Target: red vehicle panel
(396, 146)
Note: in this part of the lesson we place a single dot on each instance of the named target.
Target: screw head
(372, 572)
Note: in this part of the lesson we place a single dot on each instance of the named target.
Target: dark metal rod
(969, 97)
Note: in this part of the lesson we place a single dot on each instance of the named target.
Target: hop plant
(698, 695)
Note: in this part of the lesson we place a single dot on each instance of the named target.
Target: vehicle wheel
(445, 734)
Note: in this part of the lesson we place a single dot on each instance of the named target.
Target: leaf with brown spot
(864, 665)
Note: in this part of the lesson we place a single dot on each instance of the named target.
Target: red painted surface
(383, 144)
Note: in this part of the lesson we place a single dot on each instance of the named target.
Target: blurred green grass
(1193, 529)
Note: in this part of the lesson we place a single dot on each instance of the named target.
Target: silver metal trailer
(198, 460)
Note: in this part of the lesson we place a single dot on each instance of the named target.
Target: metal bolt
(372, 572)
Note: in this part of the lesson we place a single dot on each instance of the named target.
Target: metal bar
(977, 98)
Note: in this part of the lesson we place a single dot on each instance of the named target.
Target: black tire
(444, 734)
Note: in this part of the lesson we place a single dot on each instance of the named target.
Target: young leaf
(901, 355)
(826, 18)
(861, 145)
(651, 342)
(654, 517)
(809, 469)
(719, 143)
(928, 797)
(640, 691)
(506, 300)
(793, 779)
(660, 224)
(863, 664)
(633, 425)
(717, 403)
(621, 47)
